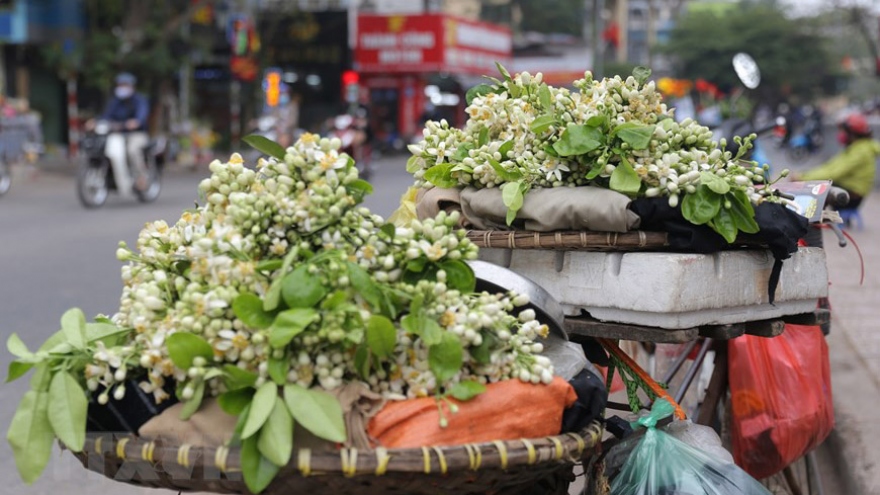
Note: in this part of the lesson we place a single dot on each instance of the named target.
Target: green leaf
(742, 212)
(301, 289)
(363, 361)
(701, 206)
(278, 369)
(512, 196)
(550, 151)
(364, 285)
(261, 407)
(42, 377)
(725, 225)
(269, 265)
(445, 358)
(418, 301)
(184, 347)
(317, 411)
(478, 90)
(17, 347)
(234, 402)
(30, 435)
(505, 148)
(334, 300)
(248, 308)
(388, 230)
(441, 175)
(624, 179)
(414, 163)
(105, 332)
(17, 369)
(265, 146)
(73, 324)
(276, 436)
(503, 71)
(258, 471)
(641, 74)
(381, 336)
(595, 171)
(273, 295)
(717, 184)
(426, 328)
(290, 323)
(467, 390)
(67, 410)
(459, 276)
(359, 188)
(597, 121)
(237, 378)
(192, 405)
(506, 175)
(542, 123)
(636, 135)
(546, 98)
(483, 137)
(482, 353)
(578, 140)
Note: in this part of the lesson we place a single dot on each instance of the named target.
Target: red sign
(429, 43)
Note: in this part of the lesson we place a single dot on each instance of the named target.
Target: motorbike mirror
(780, 121)
(747, 70)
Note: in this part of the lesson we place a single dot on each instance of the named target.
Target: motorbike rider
(854, 168)
(131, 109)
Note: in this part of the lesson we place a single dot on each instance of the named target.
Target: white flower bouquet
(276, 290)
(614, 133)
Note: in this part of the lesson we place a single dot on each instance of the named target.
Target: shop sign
(429, 43)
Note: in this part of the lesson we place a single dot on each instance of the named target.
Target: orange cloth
(507, 410)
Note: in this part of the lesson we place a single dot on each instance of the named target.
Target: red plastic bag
(781, 404)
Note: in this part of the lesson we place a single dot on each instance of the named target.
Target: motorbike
(807, 141)
(107, 168)
(5, 177)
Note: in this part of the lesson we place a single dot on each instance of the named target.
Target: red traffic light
(350, 77)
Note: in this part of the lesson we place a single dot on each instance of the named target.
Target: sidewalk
(854, 345)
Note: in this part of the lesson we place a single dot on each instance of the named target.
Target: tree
(790, 53)
(135, 36)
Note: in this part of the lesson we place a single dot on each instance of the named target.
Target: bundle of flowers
(612, 133)
(276, 290)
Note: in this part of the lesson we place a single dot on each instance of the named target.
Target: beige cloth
(210, 426)
(544, 209)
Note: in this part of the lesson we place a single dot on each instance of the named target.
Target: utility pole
(598, 52)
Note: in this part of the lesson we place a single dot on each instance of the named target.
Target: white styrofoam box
(671, 290)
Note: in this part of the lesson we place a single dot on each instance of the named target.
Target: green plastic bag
(663, 465)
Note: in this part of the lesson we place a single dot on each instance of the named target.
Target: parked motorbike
(107, 168)
(5, 177)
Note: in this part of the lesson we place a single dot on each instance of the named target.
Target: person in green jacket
(854, 168)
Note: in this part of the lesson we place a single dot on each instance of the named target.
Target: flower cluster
(614, 133)
(281, 276)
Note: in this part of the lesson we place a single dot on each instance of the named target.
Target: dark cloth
(591, 400)
(780, 230)
(122, 109)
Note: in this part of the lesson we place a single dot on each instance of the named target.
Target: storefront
(415, 67)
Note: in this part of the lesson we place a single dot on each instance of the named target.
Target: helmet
(856, 124)
(126, 78)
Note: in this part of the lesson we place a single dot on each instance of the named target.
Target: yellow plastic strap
(582, 445)
(183, 455)
(220, 457)
(147, 451)
(472, 458)
(558, 444)
(531, 448)
(382, 459)
(427, 456)
(349, 461)
(502, 452)
(98, 442)
(442, 459)
(304, 461)
(120, 448)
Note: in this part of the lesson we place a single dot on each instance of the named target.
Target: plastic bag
(567, 357)
(662, 465)
(700, 437)
(781, 404)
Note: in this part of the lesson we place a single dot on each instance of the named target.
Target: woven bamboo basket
(570, 240)
(542, 465)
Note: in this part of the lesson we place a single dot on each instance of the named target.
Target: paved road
(55, 255)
